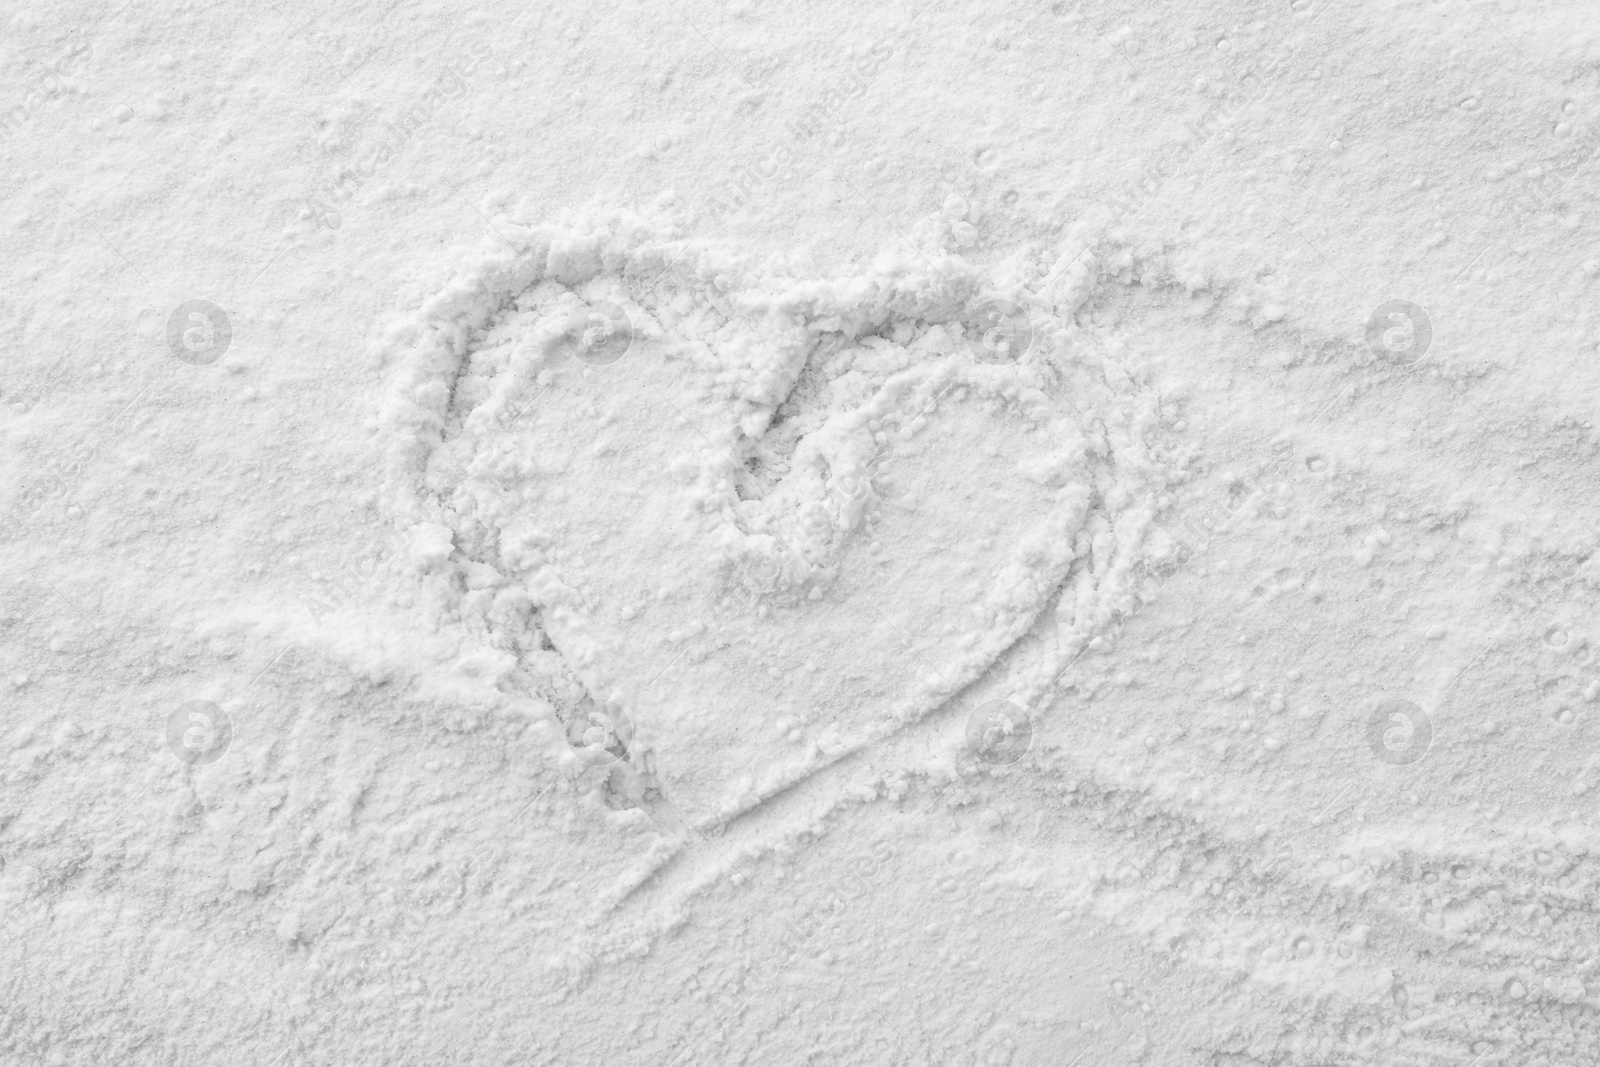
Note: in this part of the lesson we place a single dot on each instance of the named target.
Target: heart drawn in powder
(782, 518)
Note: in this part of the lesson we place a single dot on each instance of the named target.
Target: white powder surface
(731, 533)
